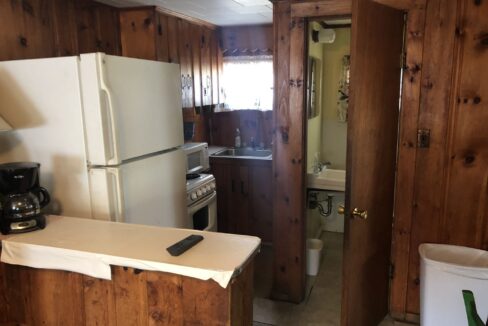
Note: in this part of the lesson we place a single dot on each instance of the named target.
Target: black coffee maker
(21, 198)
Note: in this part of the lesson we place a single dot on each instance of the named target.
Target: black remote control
(183, 245)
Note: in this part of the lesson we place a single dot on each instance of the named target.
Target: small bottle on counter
(237, 142)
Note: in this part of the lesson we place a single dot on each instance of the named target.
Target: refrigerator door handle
(117, 194)
(114, 159)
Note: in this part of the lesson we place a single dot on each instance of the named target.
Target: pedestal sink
(327, 179)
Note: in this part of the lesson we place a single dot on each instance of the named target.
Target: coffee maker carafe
(21, 198)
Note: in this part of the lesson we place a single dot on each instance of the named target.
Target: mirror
(313, 77)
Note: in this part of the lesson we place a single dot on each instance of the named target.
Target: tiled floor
(322, 306)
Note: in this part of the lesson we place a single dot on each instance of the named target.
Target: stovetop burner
(191, 176)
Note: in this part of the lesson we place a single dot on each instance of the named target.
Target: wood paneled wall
(251, 123)
(441, 190)
(288, 167)
(30, 296)
(49, 28)
(250, 39)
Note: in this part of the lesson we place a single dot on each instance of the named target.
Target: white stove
(201, 199)
(203, 185)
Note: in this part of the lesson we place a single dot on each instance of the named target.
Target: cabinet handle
(242, 189)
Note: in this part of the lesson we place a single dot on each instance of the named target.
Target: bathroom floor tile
(322, 305)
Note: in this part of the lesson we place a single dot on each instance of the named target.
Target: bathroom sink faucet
(325, 165)
(318, 166)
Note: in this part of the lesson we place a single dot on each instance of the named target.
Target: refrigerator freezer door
(150, 191)
(41, 100)
(131, 107)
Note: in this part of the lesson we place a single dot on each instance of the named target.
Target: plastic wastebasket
(445, 272)
(314, 251)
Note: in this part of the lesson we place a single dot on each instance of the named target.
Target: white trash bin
(445, 271)
(314, 251)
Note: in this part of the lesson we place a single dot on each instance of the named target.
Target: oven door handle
(202, 203)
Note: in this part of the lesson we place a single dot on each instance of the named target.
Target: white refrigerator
(106, 131)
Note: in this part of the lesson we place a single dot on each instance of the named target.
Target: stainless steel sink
(245, 153)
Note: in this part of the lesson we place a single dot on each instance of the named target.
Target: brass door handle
(341, 210)
(359, 213)
(356, 212)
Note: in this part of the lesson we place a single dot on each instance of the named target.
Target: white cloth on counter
(89, 247)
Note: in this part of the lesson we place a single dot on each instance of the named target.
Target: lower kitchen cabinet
(36, 296)
(244, 198)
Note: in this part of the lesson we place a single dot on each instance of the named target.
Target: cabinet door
(214, 57)
(196, 49)
(239, 201)
(261, 209)
(220, 70)
(206, 67)
(137, 33)
(185, 60)
(222, 176)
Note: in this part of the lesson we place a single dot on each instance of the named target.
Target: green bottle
(471, 312)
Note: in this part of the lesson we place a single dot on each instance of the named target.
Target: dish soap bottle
(237, 142)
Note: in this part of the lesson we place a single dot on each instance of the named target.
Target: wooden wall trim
(322, 8)
(188, 18)
(172, 13)
(403, 4)
(287, 278)
(407, 149)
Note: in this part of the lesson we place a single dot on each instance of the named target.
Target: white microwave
(196, 157)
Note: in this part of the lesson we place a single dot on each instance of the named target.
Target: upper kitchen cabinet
(206, 63)
(216, 59)
(144, 34)
(196, 47)
(183, 30)
(147, 33)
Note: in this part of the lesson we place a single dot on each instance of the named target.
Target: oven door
(204, 213)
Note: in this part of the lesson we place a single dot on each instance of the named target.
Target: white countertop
(90, 247)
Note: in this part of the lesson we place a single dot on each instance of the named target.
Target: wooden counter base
(133, 297)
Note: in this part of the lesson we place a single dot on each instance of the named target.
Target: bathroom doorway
(370, 108)
(328, 66)
(327, 99)
(376, 45)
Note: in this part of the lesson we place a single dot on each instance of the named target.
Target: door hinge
(423, 138)
(392, 271)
